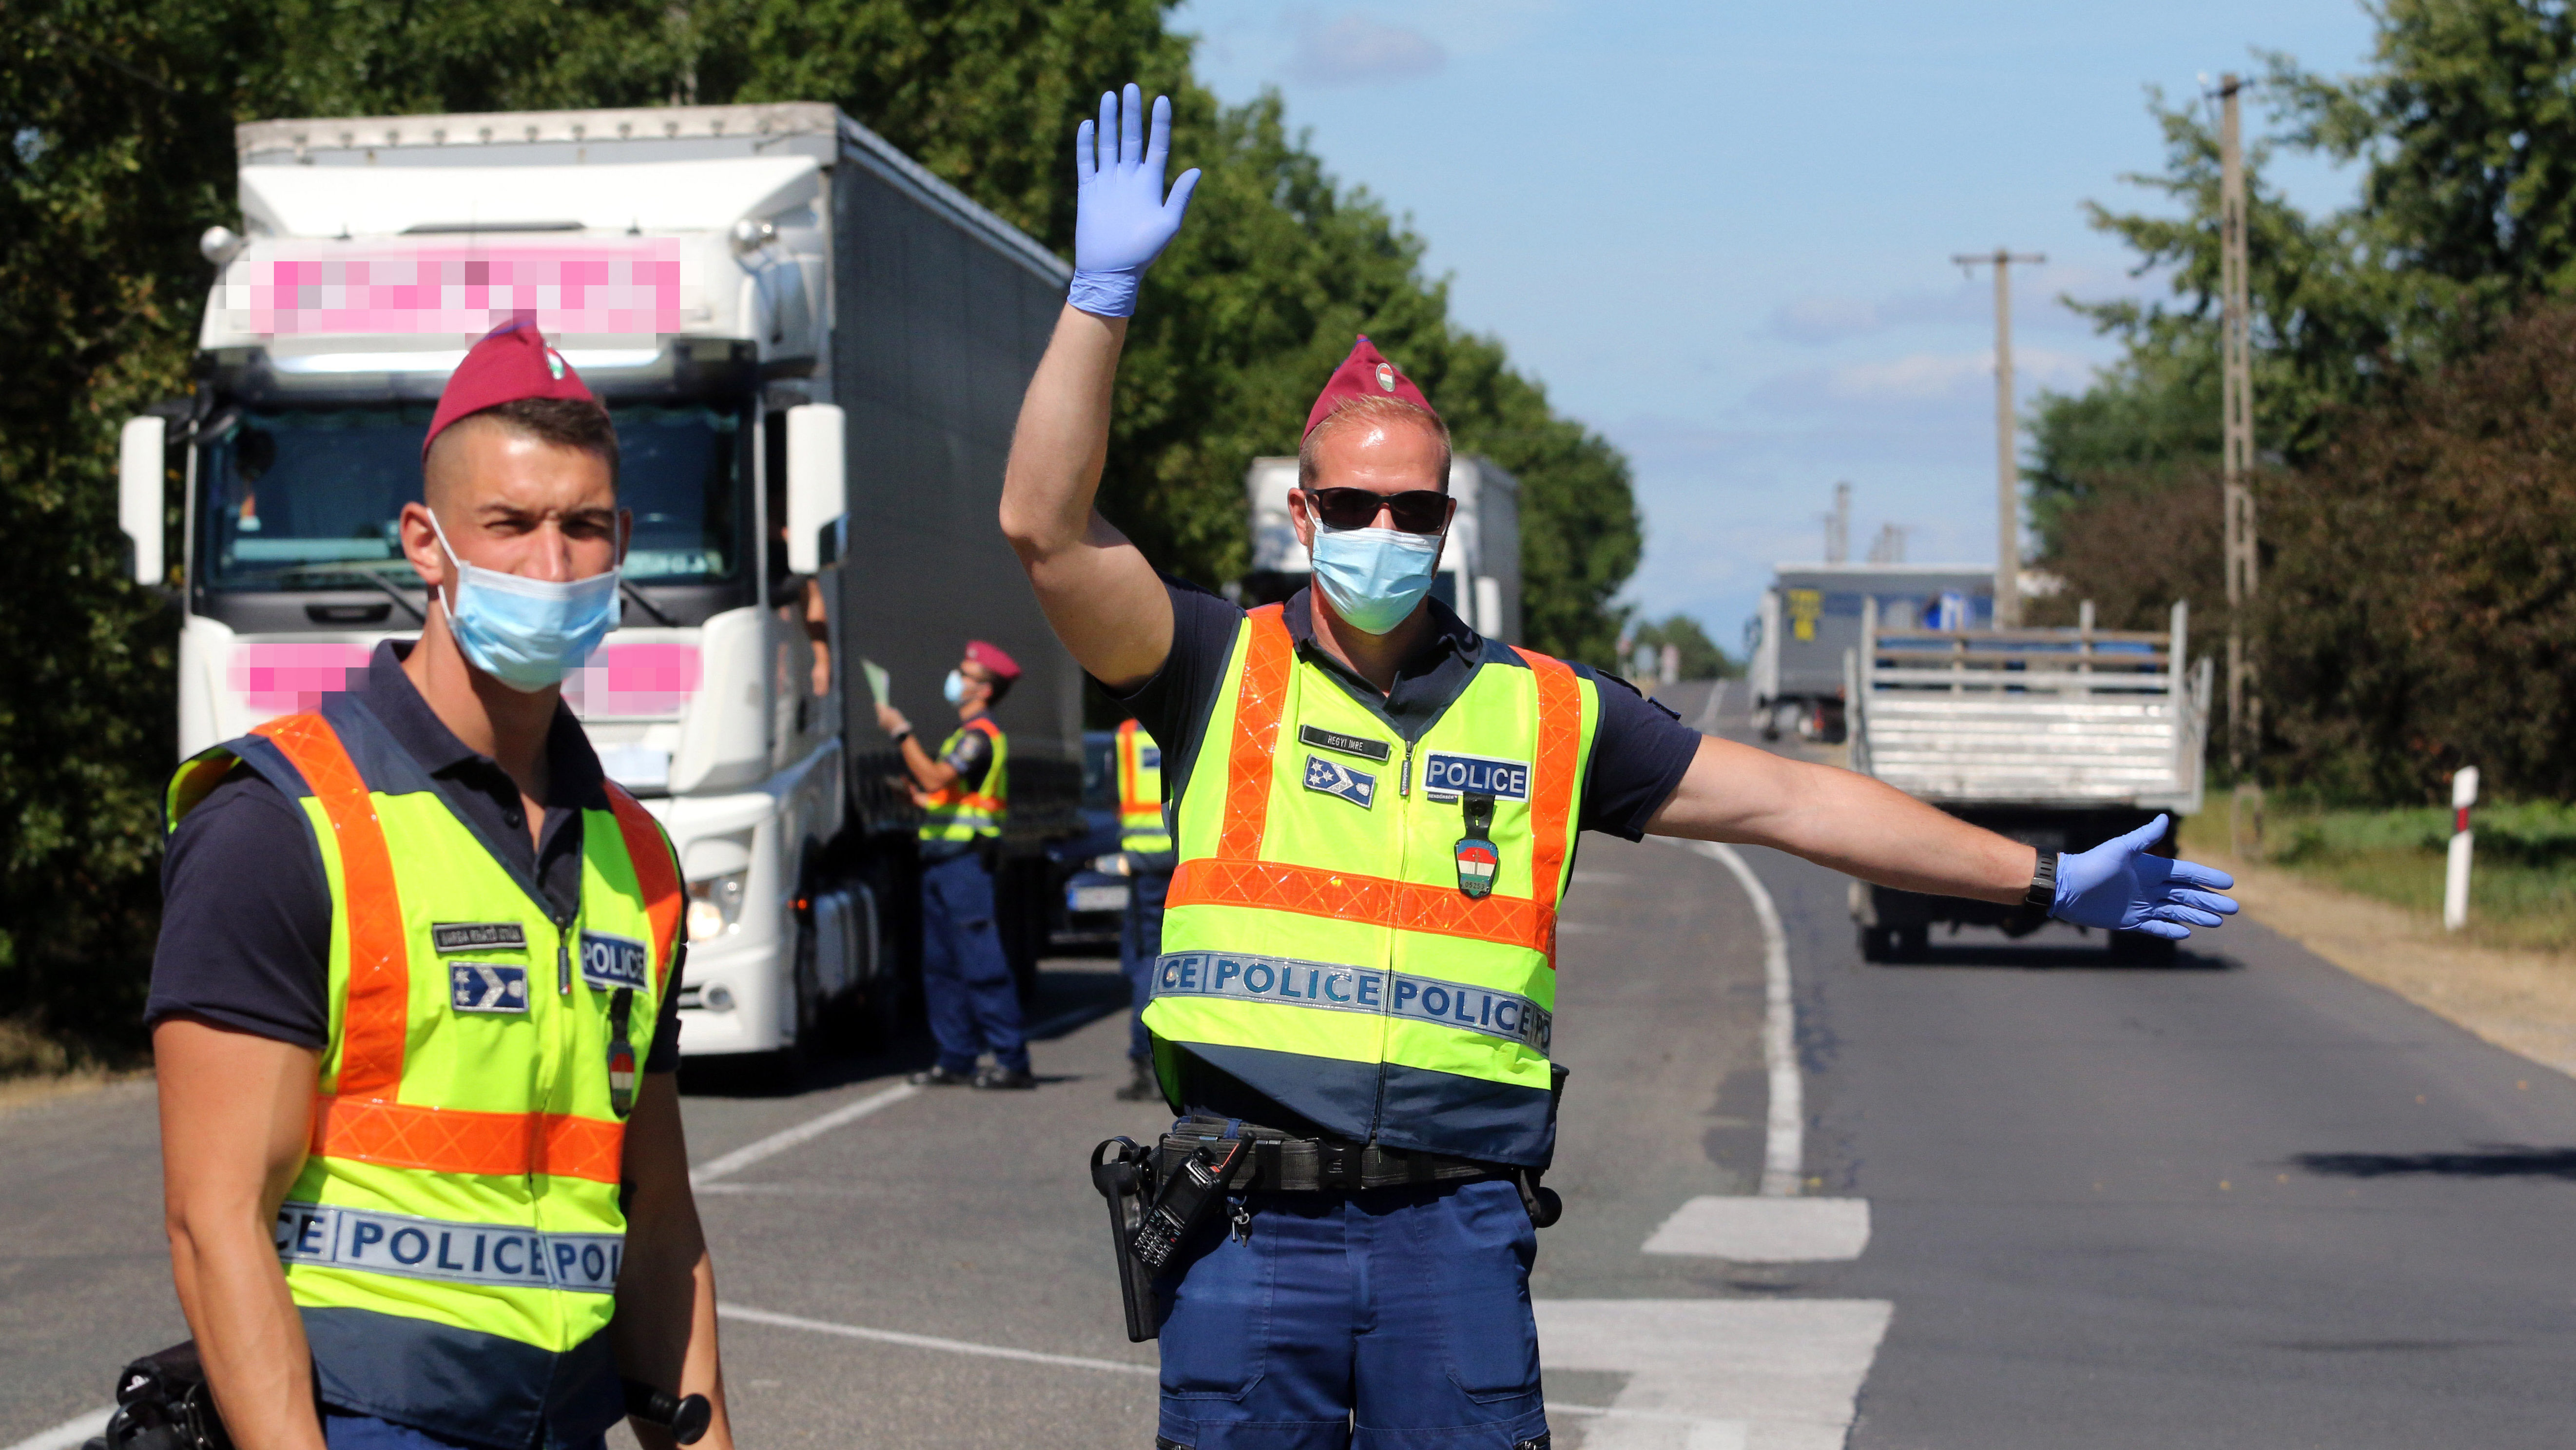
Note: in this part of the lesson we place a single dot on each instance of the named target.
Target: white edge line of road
(1784, 1136)
(70, 1433)
(749, 1315)
(812, 1128)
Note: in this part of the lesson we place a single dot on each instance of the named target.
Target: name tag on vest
(1334, 778)
(463, 1253)
(610, 962)
(487, 987)
(1446, 775)
(1359, 745)
(478, 936)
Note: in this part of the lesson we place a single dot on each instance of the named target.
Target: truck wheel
(791, 1068)
(1913, 943)
(2141, 949)
(1877, 943)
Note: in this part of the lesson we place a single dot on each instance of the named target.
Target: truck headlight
(715, 904)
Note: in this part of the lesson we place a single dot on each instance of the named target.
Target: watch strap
(2043, 883)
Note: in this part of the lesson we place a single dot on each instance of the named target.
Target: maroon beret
(1363, 374)
(991, 657)
(511, 362)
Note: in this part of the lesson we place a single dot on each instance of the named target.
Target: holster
(1125, 1178)
(163, 1403)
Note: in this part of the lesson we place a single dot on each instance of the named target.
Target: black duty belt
(1281, 1163)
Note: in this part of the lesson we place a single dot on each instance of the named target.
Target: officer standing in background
(1375, 814)
(414, 946)
(965, 796)
(1145, 844)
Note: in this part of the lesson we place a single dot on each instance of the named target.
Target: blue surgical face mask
(954, 687)
(1374, 577)
(527, 633)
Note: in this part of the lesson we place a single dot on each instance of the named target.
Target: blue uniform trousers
(1387, 1319)
(966, 982)
(365, 1432)
(1140, 941)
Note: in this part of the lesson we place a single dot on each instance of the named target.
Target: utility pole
(2236, 435)
(1838, 526)
(2007, 457)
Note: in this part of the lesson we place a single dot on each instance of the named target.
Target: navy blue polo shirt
(246, 913)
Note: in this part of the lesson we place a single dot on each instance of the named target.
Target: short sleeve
(245, 918)
(664, 1054)
(970, 758)
(1639, 753)
(1173, 706)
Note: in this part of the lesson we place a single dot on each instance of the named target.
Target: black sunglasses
(1415, 511)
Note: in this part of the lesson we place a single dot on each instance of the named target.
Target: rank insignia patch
(1334, 778)
(491, 987)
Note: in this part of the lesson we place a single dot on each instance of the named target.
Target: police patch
(1445, 776)
(609, 962)
(1359, 745)
(495, 987)
(477, 936)
(1334, 778)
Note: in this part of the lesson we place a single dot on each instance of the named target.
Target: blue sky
(1720, 234)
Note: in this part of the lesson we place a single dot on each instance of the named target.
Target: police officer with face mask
(411, 1012)
(1375, 812)
(965, 797)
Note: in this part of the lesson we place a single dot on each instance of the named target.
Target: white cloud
(1351, 49)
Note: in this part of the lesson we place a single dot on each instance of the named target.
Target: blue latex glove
(2117, 885)
(1122, 220)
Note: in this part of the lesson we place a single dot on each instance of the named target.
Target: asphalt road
(2244, 1201)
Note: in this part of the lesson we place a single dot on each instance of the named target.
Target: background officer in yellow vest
(1375, 812)
(411, 1008)
(1145, 845)
(965, 798)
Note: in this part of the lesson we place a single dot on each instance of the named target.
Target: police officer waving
(411, 1009)
(1375, 816)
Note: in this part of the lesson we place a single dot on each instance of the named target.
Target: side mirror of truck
(818, 491)
(141, 463)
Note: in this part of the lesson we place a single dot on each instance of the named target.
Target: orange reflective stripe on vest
(379, 992)
(446, 1140)
(1237, 876)
(656, 875)
(1130, 771)
(1560, 746)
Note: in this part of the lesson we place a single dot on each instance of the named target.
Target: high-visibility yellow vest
(461, 1188)
(1363, 930)
(955, 813)
(1141, 827)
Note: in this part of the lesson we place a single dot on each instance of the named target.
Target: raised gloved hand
(2118, 886)
(1122, 219)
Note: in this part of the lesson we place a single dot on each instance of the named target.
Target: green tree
(1701, 659)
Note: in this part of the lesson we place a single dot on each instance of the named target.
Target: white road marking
(70, 1433)
(1766, 1230)
(812, 1128)
(1784, 1150)
(1703, 1374)
(1719, 1374)
(1707, 723)
(928, 1341)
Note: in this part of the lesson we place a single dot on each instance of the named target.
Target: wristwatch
(2043, 883)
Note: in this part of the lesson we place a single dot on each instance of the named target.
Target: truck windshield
(302, 498)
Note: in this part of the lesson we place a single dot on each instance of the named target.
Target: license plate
(1096, 898)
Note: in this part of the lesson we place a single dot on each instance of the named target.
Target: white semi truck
(1480, 565)
(813, 351)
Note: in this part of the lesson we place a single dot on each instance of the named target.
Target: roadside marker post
(2455, 885)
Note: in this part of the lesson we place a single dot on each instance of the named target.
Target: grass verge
(2522, 888)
